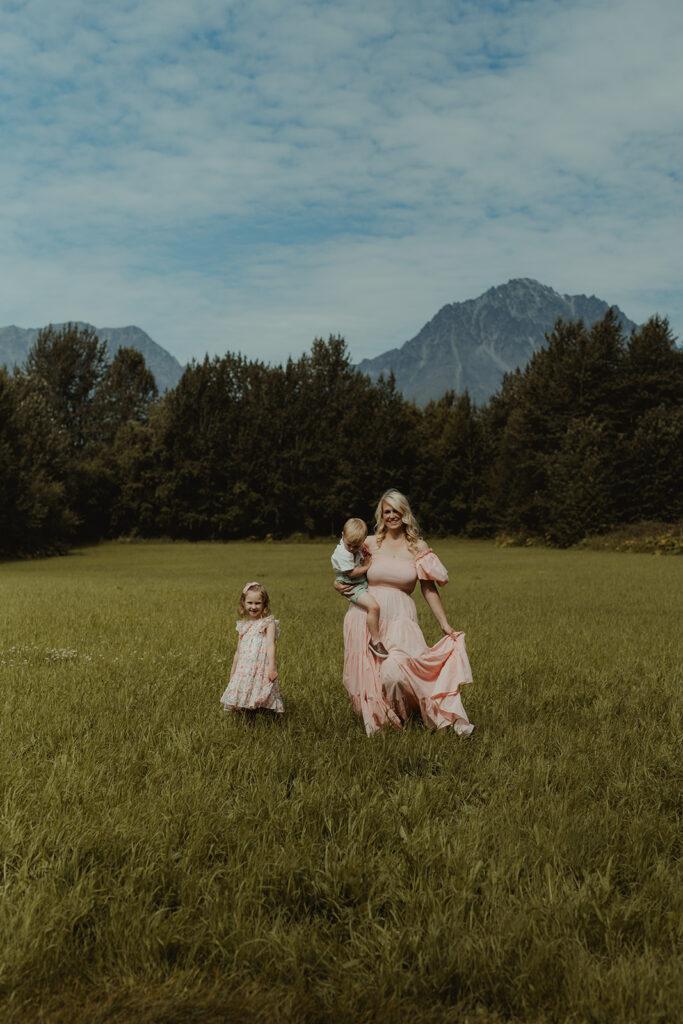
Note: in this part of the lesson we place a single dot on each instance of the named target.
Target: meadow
(163, 861)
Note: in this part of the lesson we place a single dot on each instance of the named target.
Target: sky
(249, 176)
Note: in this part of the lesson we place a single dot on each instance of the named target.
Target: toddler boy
(350, 562)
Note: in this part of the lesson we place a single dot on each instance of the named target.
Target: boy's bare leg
(369, 604)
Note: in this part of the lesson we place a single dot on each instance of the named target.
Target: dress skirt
(415, 679)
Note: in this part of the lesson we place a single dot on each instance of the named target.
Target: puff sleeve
(429, 567)
(267, 621)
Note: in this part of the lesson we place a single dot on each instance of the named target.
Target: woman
(414, 678)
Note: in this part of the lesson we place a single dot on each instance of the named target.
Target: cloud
(235, 175)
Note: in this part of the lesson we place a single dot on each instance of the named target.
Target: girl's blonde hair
(263, 593)
(400, 503)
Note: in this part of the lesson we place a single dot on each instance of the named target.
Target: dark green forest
(587, 437)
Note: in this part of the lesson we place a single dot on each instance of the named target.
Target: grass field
(164, 862)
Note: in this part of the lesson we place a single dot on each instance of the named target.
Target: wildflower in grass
(60, 653)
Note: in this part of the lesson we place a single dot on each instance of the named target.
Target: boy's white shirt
(344, 560)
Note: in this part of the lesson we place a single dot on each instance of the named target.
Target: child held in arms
(350, 562)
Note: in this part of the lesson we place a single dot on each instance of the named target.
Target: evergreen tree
(580, 483)
(449, 477)
(575, 376)
(34, 515)
(89, 399)
(650, 423)
(205, 454)
(653, 371)
(136, 457)
(70, 364)
(125, 392)
(655, 460)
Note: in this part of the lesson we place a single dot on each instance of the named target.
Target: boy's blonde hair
(355, 531)
(400, 503)
(263, 593)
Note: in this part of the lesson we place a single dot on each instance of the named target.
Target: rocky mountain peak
(470, 345)
(15, 343)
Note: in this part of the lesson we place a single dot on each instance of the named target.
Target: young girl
(253, 676)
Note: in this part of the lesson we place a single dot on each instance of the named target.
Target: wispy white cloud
(250, 175)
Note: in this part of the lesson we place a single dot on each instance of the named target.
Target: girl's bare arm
(234, 661)
(270, 652)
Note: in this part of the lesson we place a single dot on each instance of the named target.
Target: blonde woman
(414, 678)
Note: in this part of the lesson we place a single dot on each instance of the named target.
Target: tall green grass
(165, 861)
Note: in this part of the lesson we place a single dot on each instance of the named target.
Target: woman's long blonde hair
(400, 503)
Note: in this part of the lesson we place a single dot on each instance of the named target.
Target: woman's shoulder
(371, 543)
(422, 547)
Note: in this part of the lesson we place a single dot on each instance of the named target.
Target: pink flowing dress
(414, 679)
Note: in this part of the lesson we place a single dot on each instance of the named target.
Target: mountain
(15, 343)
(470, 345)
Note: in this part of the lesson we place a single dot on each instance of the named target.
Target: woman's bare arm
(431, 596)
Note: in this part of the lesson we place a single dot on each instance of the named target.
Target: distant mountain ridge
(470, 345)
(15, 343)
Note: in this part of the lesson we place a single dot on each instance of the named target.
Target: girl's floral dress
(250, 688)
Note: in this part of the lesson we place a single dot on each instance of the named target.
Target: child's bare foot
(378, 649)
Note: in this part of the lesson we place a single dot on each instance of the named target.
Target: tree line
(586, 437)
